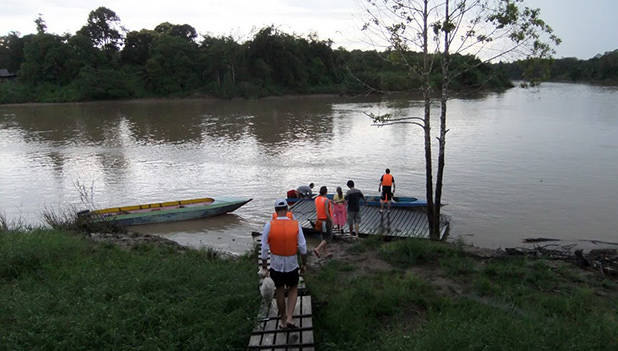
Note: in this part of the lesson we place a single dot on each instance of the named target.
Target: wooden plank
(403, 222)
(407, 221)
(281, 338)
(306, 336)
(424, 226)
(369, 221)
(255, 340)
(415, 226)
(397, 219)
(408, 225)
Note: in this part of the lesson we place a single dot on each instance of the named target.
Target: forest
(601, 69)
(103, 61)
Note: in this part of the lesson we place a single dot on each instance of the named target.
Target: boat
(398, 201)
(169, 211)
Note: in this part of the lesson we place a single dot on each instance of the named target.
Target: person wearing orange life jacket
(284, 238)
(387, 187)
(324, 222)
(288, 214)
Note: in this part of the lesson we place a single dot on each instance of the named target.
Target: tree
(220, 61)
(138, 46)
(41, 26)
(103, 29)
(171, 67)
(46, 60)
(183, 31)
(482, 30)
(11, 51)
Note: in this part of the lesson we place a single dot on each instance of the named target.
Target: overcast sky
(586, 27)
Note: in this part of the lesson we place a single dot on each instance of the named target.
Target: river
(522, 163)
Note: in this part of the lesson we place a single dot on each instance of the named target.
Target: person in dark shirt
(353, 197)
(305, 191)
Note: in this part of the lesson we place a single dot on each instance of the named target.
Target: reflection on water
(522, 163)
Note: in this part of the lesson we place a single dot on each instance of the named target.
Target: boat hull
(162, 215)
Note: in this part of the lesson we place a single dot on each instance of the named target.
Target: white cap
(280, 203)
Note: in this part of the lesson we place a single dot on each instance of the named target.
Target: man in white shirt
(284, 238)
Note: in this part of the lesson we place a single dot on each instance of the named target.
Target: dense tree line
(599, 69)
(101, 61)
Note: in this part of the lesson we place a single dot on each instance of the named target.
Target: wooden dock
(267, 334)
(398, 222)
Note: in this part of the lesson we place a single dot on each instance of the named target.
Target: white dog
(267, 290)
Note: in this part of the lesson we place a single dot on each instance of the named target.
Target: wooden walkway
(267, 334)
(398, 222)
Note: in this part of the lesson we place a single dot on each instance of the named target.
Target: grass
(510, 303)
(59, 291)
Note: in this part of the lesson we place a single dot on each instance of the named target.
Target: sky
(586, 28)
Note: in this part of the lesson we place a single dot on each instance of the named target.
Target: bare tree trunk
(427, 124)
(435, 234)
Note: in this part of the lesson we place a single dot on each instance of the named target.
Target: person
(340, 210)
(288, 214)
(387, 186)
(305, 191)
(353, 197)
(292, 194)
(285, 239)
(324, 222)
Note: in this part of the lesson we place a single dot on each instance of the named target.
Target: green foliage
(169, 61)
(404, 253)
(11, 51)
(510, 303)
(15, 92)
(46, 60)
(60, 291)
(103, 83)
(350, 313)
(102, 29)
(601, 68)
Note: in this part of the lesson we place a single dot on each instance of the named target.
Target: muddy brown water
(523, 163)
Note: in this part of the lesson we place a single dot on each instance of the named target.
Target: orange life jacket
(387, 179)
(283, 237)
(319, 207)
(290, 215)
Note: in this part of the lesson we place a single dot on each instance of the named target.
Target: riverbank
(65, 289)
(206, 97)
(421, 295)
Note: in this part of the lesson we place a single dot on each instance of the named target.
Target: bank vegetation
(63, 290)
(102, 61)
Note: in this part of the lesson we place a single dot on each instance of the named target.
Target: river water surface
(523, 163)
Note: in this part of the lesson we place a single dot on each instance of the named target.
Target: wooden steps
(268, 336)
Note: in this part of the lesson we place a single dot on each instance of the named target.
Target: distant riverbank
(17, 93)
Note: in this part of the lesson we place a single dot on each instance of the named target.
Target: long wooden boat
(170, 211)
(398, 201)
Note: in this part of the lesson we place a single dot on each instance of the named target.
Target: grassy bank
(420, 295)
(60, 291)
